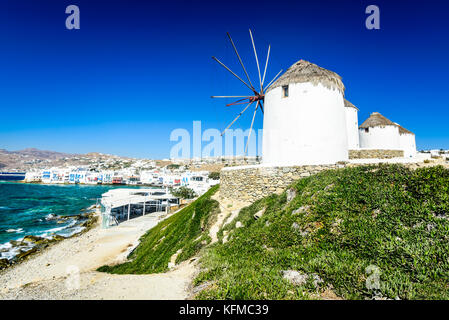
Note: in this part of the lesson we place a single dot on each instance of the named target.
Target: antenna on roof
(256, 96)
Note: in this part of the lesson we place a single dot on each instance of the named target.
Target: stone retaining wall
(247, 184)
(250, 183)
(375, 154)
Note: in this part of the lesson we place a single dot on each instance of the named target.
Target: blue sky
(136, 70)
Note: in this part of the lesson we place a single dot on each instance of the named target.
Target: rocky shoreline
(31, 245)
(66, 270)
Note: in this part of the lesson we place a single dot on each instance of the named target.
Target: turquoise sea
(30, 209)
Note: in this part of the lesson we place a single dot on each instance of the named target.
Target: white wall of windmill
(352, 128)
(380, 137)
(407, 142)
(306, 128)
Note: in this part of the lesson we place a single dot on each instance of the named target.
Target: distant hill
(41, 154)
(32, 158)
(26, 158)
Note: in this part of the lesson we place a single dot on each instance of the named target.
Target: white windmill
(304, 118)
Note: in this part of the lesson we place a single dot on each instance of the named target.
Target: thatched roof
(350, 105)
(402, 130)
(376, 120)
(305, 71)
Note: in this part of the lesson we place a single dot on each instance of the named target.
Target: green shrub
(183, 192)
(214, 175)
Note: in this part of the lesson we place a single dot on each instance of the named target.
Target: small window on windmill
(284, 91)
(366, 130)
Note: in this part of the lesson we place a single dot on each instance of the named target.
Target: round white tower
(377, 132)
(407, 142)
(304, 119)
(352, 125)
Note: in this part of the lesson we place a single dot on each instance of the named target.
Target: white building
(304, 118)
(352, 125)
(407, 142)
(33, 176)
(377, 132)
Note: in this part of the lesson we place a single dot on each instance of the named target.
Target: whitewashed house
(352, 125)
(377, 132)
(407, 142)
(304, 119)
(33, 176)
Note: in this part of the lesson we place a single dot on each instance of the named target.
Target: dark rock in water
(89, 222)
(34, 239)
(65, 218)
(57, 237)
(4, 263)
(15, 243)
(25, 254)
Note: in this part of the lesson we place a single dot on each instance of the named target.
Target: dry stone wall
(247, 184)
(250, 183)
(375, 154)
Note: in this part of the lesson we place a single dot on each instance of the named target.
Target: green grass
(187, 230)
(385, 216)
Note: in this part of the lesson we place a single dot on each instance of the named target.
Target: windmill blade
(241, 101)
(251, 128)
(266, 65)
(257, 60)
(235, 103)
(230, 96)
(236, 118)
(222, 64)
(241, 62)
(271, 82)
(261, 107)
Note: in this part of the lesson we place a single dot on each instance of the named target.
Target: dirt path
(66, 270)
(228, 211)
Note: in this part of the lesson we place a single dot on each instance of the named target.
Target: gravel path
(66, 270)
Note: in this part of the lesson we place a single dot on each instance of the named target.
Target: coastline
(84, 184)
(57, 221)
(30, 244)
(67, 269)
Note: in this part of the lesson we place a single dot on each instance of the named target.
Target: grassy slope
(187, 230)
(386, 216)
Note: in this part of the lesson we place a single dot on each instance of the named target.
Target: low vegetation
(183, 192)
(214, 175)
(355, 233)
(181, 235)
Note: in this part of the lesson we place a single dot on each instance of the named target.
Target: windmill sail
(257, 96)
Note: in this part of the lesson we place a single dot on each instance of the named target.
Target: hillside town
(48, 167)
